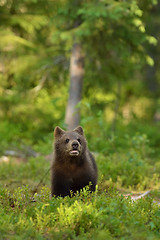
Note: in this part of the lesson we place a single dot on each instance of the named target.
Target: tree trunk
(72, 117)
(116, 109)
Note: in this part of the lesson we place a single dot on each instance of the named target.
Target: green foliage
(36, 38)
(18, 173)
(118, 108)
(112, 48)
(125, 162)
(92, 216)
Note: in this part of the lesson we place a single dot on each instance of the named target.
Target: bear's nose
(75, 145)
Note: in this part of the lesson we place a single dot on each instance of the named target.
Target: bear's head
(70, 144)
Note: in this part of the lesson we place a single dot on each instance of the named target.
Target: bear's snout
(75, 145)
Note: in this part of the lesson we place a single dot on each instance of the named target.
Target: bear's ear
(58, 132)
(79, 129)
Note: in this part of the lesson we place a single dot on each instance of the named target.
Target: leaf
(150, 61)
(29, 22)
(152, 40)
(152, 225)
(8, 38)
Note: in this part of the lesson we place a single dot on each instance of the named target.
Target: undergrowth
(106, 215)
(127, 163)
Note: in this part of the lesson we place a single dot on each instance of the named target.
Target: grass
(105, 215)
(124, 167)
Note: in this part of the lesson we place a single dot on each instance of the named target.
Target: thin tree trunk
(116, 109)
(72, 117)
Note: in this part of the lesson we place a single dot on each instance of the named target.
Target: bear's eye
(67, 140)
(79, 140)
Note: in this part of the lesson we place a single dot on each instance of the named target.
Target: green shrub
(85, 216)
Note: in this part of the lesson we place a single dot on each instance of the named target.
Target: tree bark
(72, 117)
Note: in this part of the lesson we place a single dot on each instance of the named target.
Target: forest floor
(27, 210)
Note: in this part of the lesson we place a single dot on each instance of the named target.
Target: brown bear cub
(73, 165)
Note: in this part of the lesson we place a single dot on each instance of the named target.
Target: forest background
(115, 96)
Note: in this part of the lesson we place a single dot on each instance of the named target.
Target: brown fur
(73, 165)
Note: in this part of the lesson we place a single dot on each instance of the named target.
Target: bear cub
(73, 165)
